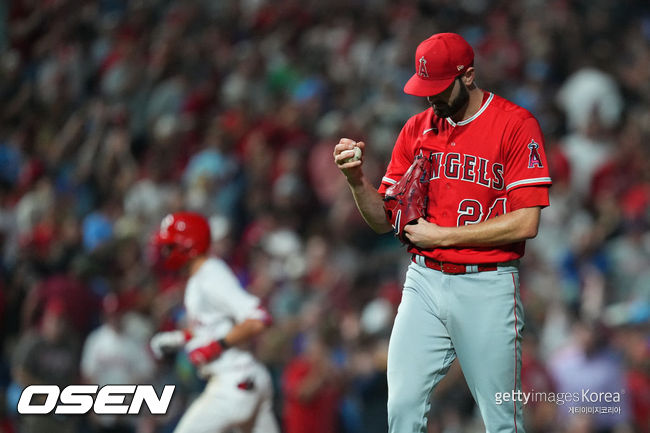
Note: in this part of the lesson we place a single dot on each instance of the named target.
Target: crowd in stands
(116, 112)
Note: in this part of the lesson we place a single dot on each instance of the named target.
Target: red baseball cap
(438, 61)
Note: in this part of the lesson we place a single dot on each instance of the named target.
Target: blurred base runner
(227, 405)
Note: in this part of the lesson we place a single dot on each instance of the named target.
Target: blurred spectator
(311, 390)
(590, 365)
(593, 106)
(79, 305)
(370, 378)
(112, 356)
(117, 112)
(48, 355)
(535, 377)
(633, 340)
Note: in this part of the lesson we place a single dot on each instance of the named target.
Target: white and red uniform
(487, 165)
(239, 392)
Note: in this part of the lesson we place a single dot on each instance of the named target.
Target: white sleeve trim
(529, 181)
(388, 180)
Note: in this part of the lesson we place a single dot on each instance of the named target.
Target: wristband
(223, 344)
(206, 353)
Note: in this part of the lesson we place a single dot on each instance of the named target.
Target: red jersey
(487, 165)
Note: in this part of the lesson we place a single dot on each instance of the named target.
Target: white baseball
(355, 157)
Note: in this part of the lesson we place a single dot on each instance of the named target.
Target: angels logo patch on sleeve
(534, 160)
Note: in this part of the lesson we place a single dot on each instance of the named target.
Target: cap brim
(419, 87)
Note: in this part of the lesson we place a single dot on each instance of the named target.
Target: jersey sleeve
(226, 293)
(525, 159)
(530, 196)
(400, 160)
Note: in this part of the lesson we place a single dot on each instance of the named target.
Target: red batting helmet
(182, 237)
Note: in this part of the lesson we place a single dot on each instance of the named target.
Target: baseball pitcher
(221, 317)
(483, 172)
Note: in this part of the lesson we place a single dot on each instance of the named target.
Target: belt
(453, 268)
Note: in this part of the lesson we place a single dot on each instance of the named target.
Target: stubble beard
(450, 110)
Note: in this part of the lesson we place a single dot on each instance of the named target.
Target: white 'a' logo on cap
(422, 70)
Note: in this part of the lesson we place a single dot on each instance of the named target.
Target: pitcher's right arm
(368, 200)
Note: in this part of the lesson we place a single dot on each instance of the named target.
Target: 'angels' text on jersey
(468, 168)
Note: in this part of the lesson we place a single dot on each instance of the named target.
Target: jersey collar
(478, 113)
